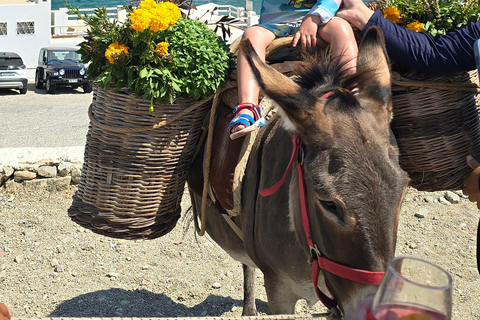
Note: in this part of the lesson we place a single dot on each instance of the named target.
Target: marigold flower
(392, 14)
(415, 26)
(157, 17)
(148, 4)
(140, 19)
(165, 15)
(114, 51)
(161, 48)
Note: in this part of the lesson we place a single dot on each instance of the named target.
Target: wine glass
(413, 289)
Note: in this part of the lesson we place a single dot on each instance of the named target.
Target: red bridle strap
(357, 275)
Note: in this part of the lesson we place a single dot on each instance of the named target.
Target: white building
(25, 28)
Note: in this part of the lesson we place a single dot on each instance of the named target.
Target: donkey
(345, 180)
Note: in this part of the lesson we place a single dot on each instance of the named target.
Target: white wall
(27, 46)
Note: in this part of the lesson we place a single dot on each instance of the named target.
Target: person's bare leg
(248, 90)
(5, 313)
(339, 34)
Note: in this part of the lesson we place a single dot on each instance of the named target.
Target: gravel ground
(51, 267)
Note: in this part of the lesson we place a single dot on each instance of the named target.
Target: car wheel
(88, 87)
(50, 86)
(38, 82)
(24, 90)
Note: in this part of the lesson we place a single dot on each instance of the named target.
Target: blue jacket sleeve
(450, 53)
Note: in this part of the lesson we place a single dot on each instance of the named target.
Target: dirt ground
(51, 267)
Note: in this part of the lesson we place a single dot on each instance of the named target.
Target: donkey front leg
(249, 308)
(283, 293)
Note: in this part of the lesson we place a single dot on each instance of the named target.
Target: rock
(421, 213)
(58, 184)
(75, 174)
(11, 186)
(58, 268)
(5, 173)
(48, 162)
(412, 245)
(54, 262)
(429, 199)
(64, 169)
(452, 197)
(216, 285)
(112, 275)
(37, 183)
(19, 176)
(47, 171)
(444, 201)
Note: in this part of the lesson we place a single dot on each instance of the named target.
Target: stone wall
(52, 175)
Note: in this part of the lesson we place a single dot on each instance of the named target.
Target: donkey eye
(329, 205)
(333, 209)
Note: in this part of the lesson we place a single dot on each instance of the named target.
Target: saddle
(228, 158)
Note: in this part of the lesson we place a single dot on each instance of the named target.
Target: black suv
(61, 66)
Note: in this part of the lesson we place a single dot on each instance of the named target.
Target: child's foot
(247, 119)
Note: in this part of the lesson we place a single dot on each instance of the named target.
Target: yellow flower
(148, 4)
(415, 26)
(161, 48)
(392, 14)
(140, 19)
(164, 15)
(114, 51)
(157, 17)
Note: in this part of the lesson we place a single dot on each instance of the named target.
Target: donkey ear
(292, 99)
(373, 58)
(374, 63)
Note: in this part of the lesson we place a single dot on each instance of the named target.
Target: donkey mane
(320, 74)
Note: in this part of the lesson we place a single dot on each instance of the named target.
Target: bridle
(319, 261)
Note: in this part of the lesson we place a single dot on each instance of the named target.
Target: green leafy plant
(436, 17)
(156, 53)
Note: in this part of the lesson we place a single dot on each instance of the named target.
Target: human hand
(471, 182)
(5, 314)
(307, 33)
(355, 12)
(361, 312)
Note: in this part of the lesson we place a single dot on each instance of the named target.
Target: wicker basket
(436, 125)
(135, 164)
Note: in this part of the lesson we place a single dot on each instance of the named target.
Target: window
(26, 27)
(3, 28)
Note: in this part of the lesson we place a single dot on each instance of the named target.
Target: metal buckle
(314, 252)
(301, 156)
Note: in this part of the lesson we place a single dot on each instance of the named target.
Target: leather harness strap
(320, 262)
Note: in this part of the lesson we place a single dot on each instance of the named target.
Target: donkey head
(355, 184)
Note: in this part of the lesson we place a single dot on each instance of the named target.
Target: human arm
(471, 183)
(322, 12)
(5, 314)
(355, 12)
(307, 33)
(420, 51)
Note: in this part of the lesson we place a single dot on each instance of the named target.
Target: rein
(319, 262)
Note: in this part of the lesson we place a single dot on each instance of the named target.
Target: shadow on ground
(117, 302)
